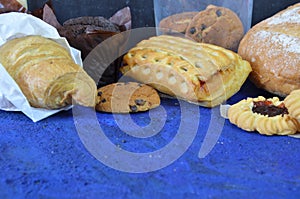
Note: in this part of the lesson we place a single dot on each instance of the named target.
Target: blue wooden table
(52, 159)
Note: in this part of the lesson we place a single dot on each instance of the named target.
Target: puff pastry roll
(46, 73)
(196, 72)
(267, 116)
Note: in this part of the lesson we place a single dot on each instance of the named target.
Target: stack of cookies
(214, 25)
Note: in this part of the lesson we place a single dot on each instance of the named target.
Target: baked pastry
(216, 25)
(197, 72)
(46, 73)
(273, 49)
(292, 103)
(126, 97)
(176, 23)
(267, 116)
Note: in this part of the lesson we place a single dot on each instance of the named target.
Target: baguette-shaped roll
(197, 72)
(46, 73)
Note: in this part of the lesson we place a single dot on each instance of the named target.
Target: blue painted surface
(48, 160)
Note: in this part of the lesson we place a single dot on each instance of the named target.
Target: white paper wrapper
(224, 114)
(14, 25)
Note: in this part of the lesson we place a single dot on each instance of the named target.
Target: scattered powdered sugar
(287, 43)
(288, 16)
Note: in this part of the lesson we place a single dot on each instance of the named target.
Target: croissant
(197, 72)
(46, 73)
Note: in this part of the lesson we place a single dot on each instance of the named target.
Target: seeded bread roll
(273, 49)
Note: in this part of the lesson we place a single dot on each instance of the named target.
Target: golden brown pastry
(197, 72)
(273, 49)
(267, 116)
(126, 97)
(292, 102)
(46, 73)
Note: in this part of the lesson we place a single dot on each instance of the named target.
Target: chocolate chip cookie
(126, 97)
(176, 23)
(216, 25)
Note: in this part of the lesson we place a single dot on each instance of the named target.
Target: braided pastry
(267, 116)
(197, 72)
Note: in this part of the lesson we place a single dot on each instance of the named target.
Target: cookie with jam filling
(292, 102)
(216, 25)
(266, 116)
(126, 97)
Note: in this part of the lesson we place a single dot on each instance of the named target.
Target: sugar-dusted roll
(273, 49)
(197, 72)
(46, 73)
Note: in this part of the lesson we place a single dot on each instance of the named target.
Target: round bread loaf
(273, 49)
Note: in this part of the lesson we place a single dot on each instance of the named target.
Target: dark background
(141, 10)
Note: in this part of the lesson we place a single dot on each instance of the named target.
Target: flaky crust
(273, 49)
(197, 72)
(241, 114)
(292, 102)
(46, 73)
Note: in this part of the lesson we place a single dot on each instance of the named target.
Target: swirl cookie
(292, 102)
(267, 116)
(216, 25)
(126, 97)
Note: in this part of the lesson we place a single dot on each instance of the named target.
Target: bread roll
(273, 49)
(46, 73)
(197, 72)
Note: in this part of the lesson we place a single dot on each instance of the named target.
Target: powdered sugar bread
(273, 49)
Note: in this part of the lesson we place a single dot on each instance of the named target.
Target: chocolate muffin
(85, 33)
